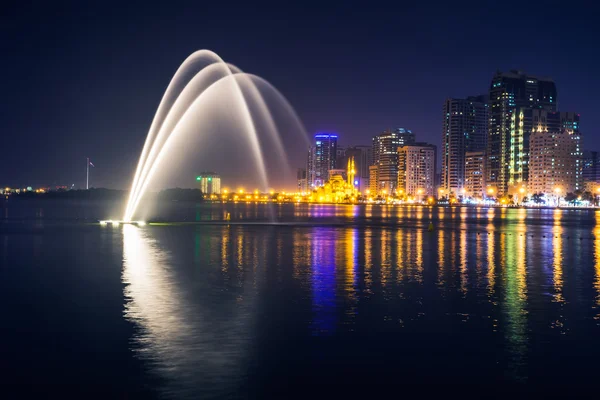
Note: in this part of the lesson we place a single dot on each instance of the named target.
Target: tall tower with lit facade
(385, 156)
(465, 127)
(417, 167)
(321, 158)
(512, 94)
(591, 170)
(555, 158)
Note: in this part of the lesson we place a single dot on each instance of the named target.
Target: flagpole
(87, 174)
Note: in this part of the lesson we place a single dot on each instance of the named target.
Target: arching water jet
(176, 107)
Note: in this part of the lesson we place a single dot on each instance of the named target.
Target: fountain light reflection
(171, 322)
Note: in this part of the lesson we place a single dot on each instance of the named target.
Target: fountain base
(117, 223)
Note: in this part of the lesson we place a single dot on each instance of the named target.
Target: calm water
(336, 299)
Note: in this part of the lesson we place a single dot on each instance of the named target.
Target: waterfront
(344, 297)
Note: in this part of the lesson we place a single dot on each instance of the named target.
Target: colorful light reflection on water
(338, 293)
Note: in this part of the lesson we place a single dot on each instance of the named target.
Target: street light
(522, 191)
(557, 191)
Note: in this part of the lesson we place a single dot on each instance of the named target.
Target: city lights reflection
(491, 271)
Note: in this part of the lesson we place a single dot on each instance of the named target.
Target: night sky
(85, 81)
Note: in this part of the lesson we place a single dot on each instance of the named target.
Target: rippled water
(333, 298)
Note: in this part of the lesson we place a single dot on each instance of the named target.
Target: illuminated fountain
(203, 78)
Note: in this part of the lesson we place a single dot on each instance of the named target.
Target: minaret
(351, 172)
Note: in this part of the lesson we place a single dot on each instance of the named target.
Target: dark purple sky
(81, 80)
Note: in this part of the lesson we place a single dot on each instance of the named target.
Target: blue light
(355, 183)
(325, 136)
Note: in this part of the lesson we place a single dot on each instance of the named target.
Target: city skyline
(94, 94)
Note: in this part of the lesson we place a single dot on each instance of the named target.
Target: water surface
(342, 298)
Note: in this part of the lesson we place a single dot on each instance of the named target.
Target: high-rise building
(385, 156)
(474, 174)
(210, 183)
(340, 157)
(465, 126)
(555, 156)
(416, 170)
(569, 121)
(363, 158)
(552, 163)
(310, 168)
(511, 93)
(591, 170)
(321, 158)
(405, 136)
(374, 180)
(302, 181)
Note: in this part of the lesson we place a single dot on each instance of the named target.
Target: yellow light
(141, 223)
(522, 190)
(241, 191)
(369, 191)
(490, 191)
(272, 192)
(225, 191)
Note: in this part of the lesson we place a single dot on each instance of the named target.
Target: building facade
(465, 127)
(507, 155)
(474, 174)
(552, 163)
(373, 180)
(340, 157)
(302, 181)
(591, 170)
(210, 183)
(555, 154)
(385, 156)
(416, 170)
(321, 158)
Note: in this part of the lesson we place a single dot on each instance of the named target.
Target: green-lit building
(210, 183)
(512, 94)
